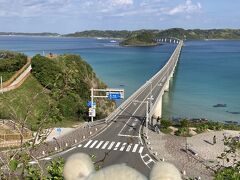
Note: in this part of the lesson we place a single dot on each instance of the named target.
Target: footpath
(18, 78)
(170, 148)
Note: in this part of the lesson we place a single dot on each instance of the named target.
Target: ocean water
(208, 72)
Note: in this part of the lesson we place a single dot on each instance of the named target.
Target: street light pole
(1, 84)
(147, 117)
(150, 98)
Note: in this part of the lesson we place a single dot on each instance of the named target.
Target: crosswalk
(111, 145)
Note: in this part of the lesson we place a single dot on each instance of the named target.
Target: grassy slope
(21, 99)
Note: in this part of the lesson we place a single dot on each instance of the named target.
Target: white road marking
(88, 143)
(80, 145)
(149, 161)
(47, 158)
(146, 155)
(111, 145)
(135, 148)
(32, 162)
(141, 149)
(129, 147)
(123, 135)
(93, 144)
(117, 145)
(123, 146)
(99, 144)
(105, 145)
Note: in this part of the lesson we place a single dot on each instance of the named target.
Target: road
(121, 141)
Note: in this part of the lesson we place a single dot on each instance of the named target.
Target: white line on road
(47, 158)
(111, 145)
(135, 148)
(129, 147)
(32, 162)
(117, 145)
(99, 144)
(141, 149)
(88, 143)
(80, 145)
(124, 135)
(123, 146)
(105, 145)
(93, 144)
(149, 161)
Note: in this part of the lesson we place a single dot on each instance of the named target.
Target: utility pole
(110, 93)
(91, 102)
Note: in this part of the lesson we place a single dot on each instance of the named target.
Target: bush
(216, 126)
(183, 131)
(184, 123)
(166, 130)
(166, 123)
(201, 128)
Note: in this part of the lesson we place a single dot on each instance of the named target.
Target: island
(140, 39)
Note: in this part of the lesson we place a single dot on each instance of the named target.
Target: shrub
(166, 123)
(201, 128)
(183, 131)
(184, 123)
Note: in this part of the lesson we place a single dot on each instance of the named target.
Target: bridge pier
(166, 87)
(158, 110)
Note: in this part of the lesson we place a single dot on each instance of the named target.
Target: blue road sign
(114, 96)
(89, 104)
(59, 130)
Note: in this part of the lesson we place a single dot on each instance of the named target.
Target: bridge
(121, 141)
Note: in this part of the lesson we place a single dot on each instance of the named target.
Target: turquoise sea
(208, 71)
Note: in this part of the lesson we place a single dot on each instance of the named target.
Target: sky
(66, 16)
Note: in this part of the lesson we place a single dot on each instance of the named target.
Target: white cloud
(121, 2)
(188, 7)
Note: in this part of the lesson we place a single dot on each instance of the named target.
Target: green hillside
(63, 83)
(140, 39)
(180, 33)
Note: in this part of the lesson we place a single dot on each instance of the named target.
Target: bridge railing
(126, 102)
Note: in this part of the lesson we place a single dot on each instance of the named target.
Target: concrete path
(171, 149)
(17, 82)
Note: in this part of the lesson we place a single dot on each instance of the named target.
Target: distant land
(139, 39)
(28, 34)
(189, 34)
(144, 37)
